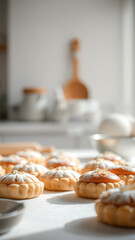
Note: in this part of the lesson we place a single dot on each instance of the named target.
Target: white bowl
(123, 146)
(8, 220)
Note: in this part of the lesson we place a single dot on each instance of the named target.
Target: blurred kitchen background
(36, 61)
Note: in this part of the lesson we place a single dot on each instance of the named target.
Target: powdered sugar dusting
(18, 177)
(30, 153)
(30, 167)
(62, 172)
(119, 197)
(13, 159)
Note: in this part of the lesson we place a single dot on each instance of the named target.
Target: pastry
(32, 156)
(92, 184)
(59, 179)
(32, 168)
(2, 171)
(59, 162)
(131, 181)
(97, 163)
(20, 185)
(66, 155)
(125, 173)
(10, 161)
(117, 207)
(116, 159)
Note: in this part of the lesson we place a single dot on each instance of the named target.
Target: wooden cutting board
(12, 148)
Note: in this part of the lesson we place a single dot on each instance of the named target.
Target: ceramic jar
(33, 106)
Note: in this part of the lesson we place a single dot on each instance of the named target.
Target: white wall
(39, 35)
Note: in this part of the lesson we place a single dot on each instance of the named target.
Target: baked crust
(94, 190)
(117, 207)
(93, 184)
(116, 159)
(35, 169)
(114, 215)
(20, 185)
(62, 162)
(59, 179)
(131, 181)
(97, 163)
(125, 173)
(10, 161)
(2, 171)
(65, 155)
(32, 156)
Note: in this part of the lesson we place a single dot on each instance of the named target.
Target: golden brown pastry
(97, 163)
(32, 156)
(10, 161)
(117, 207)
(116, 159)
(59, 162)
(32, 168)
(2, 171)
(65, 155)
(59, 179)
(131, 181)
(125, 173)
(20, 185)
(93, 183)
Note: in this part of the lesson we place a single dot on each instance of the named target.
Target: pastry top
(110, 156)
(118, 197)
(99, 163)
(113, 157)
(57, 162)
(30, 154)
(18, 178)
(61, 172)
(30, 167)
(12, 159)
(2, 170)
(122, 170)
(66, 155)
(99, 176)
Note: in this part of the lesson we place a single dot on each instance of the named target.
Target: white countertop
(17, 127)
(63, 216)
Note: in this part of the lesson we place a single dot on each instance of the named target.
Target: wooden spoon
(75, 89)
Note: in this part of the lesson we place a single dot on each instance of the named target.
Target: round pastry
(118, 160)
(66, 155)
(20, 185)
(97, 163)
(2, 171)
(117, 207)
(92, 184)
(131, 181)
(125, 173)
(32, 156)
(32, 168)
(59, 179)
(10, 161)
(60, 162)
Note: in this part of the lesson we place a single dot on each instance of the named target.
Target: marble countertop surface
(63, 216)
